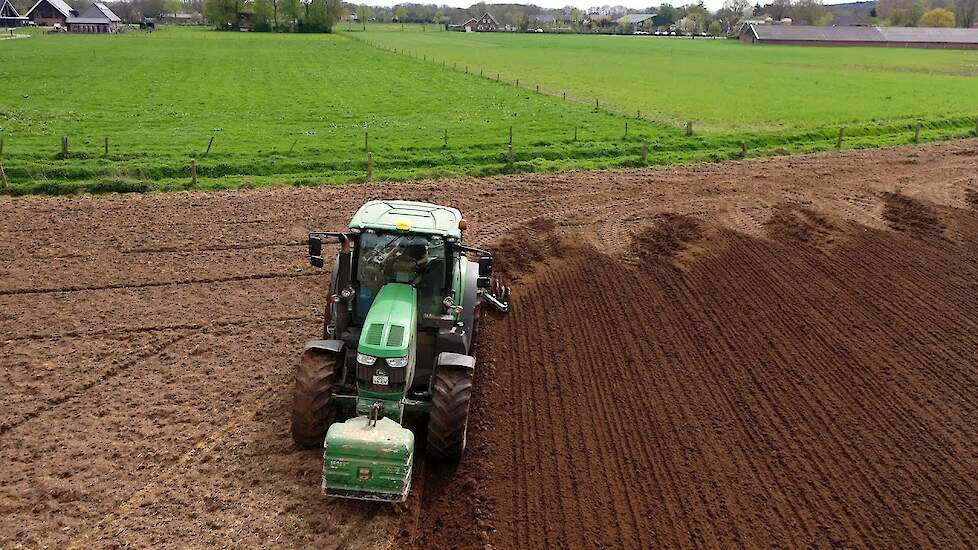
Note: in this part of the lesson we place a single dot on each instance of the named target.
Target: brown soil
(778, 352)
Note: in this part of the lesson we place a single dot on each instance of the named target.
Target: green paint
(396, 305)
(368, 460)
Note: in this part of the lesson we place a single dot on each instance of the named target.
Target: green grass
(161, 97)
(720, 84)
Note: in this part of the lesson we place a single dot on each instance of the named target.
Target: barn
(9, 17)
(896, 37)
(47, 13)
(97, 18)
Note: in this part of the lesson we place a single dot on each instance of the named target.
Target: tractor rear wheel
(312, 402)
(449, 419)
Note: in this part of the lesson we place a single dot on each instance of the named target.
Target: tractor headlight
(364, 359)
(397, 362)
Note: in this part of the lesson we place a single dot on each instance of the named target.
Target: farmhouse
(48, 13)
(9, 17)
(97, 18)
(486, 23)
(899, 37)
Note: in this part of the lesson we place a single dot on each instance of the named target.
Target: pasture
(720, 84)
(138, 110)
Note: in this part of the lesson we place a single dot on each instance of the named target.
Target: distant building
(899, 37)
(9, 17)
(636, 21)
(181, 19)
(47, 13)
(97, 18)
(486, 23)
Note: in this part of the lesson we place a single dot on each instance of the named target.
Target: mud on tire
(449, 419)
(312, 402)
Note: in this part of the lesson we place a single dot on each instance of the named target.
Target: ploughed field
(779, 352)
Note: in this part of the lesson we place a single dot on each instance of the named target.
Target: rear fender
(328, 346)
(449, 360)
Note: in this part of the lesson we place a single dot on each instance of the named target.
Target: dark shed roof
(804, 33)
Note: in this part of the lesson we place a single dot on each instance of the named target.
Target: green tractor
(400, 323)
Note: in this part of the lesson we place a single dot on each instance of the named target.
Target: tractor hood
(391, 322)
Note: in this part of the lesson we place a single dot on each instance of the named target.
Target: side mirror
(485, 266)
(315, 251)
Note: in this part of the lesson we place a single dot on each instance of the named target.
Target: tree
(291, 10)
(716, 29)
(363, 13)
(937, 17)
(401, 14)
(806, 12)
(825, 19)
(263, 15)
(623, 23)
(223, 13)
(577, 17)
(520, 21)
(966, 12)
(668, 15)
(172, 6)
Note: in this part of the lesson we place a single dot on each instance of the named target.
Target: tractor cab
(420, 261)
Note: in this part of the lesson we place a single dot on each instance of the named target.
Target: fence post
(842, 135)
(517, 83)
(511, 135)
(538, 88)
(366, 141)
(446, 137)
(510, 157)
(575, 133)
(1, 146)
(565, 96)
(193, 171)
(916, 133)
(480, 72)
(626, 129)
(106, 147)
(689, 127)
(743, 149)
(3, 177)
(638, 114)
(596, 104)
(466, 69)
(293, 146)
(370, 166)
(209, 143)
(497, 77)
(64, 145)
(645, 152)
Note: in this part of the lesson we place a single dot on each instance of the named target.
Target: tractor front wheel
(312, 402)
(449, 420)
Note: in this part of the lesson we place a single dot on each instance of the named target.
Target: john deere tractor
(401, 319)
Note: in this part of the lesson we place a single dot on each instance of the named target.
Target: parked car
(538, 30)
(641, 32)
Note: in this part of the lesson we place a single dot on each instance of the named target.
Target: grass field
(720, 84)
(295, 109)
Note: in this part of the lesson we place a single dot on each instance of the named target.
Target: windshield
(417, 260)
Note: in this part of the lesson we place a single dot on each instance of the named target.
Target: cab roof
(409, 217)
